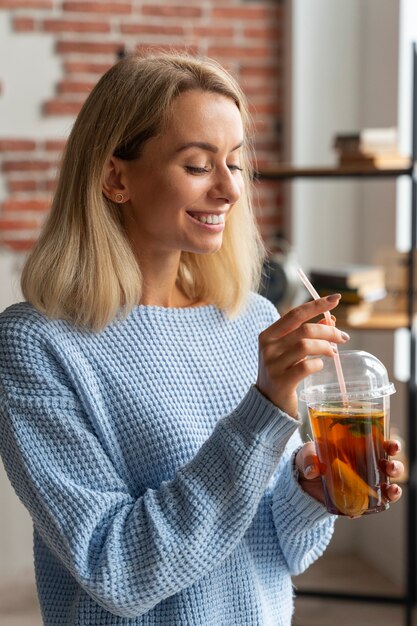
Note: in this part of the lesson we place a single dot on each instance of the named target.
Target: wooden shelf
(378, 321)
(281, 171)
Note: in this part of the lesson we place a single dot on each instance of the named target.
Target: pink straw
(328, 319)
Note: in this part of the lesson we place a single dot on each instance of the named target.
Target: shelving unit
(388, 321)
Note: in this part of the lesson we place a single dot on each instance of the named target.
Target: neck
(158, 296)
(160, 285)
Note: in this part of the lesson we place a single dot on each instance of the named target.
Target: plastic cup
(349, 432)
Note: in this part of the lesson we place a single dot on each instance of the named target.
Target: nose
(227, 186)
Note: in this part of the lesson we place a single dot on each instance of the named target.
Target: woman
(155, 447)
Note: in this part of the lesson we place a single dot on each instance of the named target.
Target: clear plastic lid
(365, 378)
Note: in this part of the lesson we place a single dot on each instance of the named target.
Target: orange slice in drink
(353, 498)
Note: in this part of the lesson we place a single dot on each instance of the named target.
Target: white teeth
(210, 219)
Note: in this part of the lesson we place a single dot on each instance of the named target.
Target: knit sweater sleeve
(128, 553)
(304, 527)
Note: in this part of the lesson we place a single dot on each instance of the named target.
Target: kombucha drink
(350, 445)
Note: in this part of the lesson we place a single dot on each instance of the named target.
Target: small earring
(119, 197)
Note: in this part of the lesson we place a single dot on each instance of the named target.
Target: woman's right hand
(284, 346)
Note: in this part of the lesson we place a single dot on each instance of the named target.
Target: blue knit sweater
(159, 480)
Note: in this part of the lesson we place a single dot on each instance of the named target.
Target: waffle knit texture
(159, 480)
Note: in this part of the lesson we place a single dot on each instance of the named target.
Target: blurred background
(311, 70)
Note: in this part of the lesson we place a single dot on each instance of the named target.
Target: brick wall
(246, 37)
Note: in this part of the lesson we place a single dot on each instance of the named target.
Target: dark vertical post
(411, 545)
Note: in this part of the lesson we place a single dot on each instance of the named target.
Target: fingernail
(345, 336)
(396, 489)
(309, 470)
(334, 297)
(333, 318)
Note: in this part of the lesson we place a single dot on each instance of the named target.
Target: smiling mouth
(208, 218)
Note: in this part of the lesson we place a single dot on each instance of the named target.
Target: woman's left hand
(310, 478)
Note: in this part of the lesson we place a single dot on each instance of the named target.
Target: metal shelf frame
(409, 599)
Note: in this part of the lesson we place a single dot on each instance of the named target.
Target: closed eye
(196, 170)
(204, 170)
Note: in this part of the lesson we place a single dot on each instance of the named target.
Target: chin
(211, 248)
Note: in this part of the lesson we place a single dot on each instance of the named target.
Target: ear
(114, 187)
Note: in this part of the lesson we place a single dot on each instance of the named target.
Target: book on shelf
(352, 315)
(354, 296)
(379, 161)
(371, 147)
(347, 276)
(371, 140)
(396, 264)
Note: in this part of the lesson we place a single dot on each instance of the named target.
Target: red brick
(112, 8)
(68, 26)
(17, 145)
(238, 52)
(264, 88)
(26, 4)
(88, 47)
(241, 13)
(18, 245)
(26, 166)
(270, 145)
(62, 107)
(15, 186)
(171, 11)
(9, 224)
(151, 29)
(145, 49)
(13, 204)
(24, 24)
(260, 71)
(49, 185)
(269, 220)
(264, 33)
(81, 67)
(213, 31)
(55, 145)
(272, 108)
(267, 186)
(70, 86)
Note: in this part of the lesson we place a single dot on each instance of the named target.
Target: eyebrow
(205, 146)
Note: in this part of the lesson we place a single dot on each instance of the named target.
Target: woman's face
(183, 186)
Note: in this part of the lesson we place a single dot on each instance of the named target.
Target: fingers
(285, 345)
(287, 356)
(307, 461)
(392, 492)
(392, 447)
(308, 340)
(324, 321)
(303, 313)
(393, 469)
(309, 471)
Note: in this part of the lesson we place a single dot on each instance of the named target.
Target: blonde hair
(82, 268)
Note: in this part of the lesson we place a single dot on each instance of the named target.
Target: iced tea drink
(350, 445)
(349, 429)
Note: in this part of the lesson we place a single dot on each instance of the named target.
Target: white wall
(28, 71)
(345, 77)
(325, 74)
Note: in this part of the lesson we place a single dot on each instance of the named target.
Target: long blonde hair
(82, 268)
